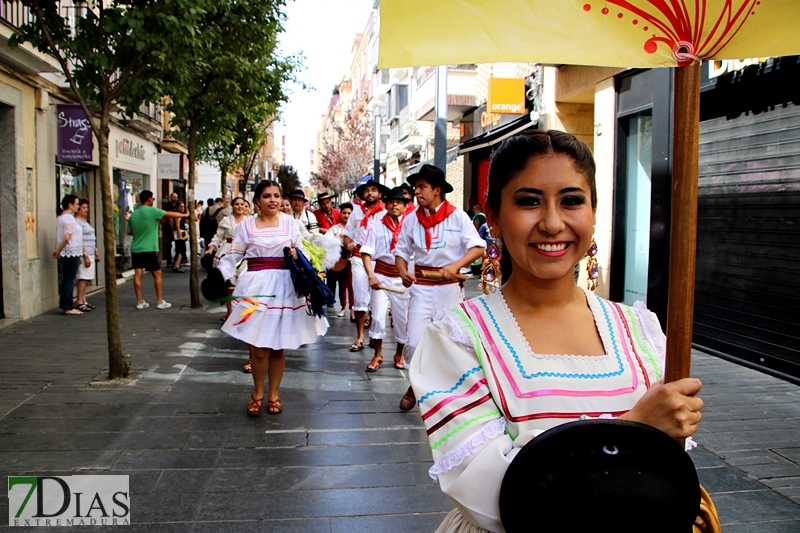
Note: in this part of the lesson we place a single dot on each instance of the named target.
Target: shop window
(125, 191)
(71, 180)
(638, 178)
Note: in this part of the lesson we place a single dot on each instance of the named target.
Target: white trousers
(361, 288)
(380, 303)
(427, 303)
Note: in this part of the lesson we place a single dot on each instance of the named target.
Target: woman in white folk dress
(503, 368)
(267, 314)
(221, 243)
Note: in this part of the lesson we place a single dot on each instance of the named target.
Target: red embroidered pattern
(681, 28)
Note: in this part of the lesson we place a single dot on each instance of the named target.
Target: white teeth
(551, 247)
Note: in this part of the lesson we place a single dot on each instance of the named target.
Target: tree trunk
(117, 366)
(194, 278)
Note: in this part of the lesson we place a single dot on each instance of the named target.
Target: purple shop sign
(75, 141)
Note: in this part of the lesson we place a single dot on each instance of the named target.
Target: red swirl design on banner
(681, 28)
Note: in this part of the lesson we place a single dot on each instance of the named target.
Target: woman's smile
(552, 249)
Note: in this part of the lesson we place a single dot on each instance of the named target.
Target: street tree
(111, 54)
(234, 83)
(348, 154)
(288, 178)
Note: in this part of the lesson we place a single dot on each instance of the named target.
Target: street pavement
(340, 458)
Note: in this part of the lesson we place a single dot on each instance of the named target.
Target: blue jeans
(69, 270)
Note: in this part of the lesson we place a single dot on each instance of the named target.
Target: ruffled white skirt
(455, 522)
(271, 315)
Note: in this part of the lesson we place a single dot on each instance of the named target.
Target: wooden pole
(683, 226)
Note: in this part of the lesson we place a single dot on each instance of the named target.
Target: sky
(324, 31)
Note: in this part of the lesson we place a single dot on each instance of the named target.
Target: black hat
(324, 196)
(396, 194)
(594, 475)
(408, 188)
(298, 193)
(383, 189)
(214, 287)
(433, 175)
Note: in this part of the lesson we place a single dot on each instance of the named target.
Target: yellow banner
(614, 33)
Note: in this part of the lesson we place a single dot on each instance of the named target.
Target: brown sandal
(274, 406)
(399, 363)
(254, 407)
(408, 401)
(374, 364)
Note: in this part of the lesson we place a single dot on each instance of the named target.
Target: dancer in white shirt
(378, 250)
(371, 210)
(439, 238)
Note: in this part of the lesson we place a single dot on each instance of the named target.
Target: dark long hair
(67, 201)
(515, 152)
(263, 185)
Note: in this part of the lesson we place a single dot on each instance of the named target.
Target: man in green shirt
(143, 225)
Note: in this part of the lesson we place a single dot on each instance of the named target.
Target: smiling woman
(505, 367)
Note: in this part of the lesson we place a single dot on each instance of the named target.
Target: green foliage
(288, 178)
(235, 81)
(112, 51)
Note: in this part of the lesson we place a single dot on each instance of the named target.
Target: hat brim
(442, 184)
(383, 189)
(401, 198)
(613, 471)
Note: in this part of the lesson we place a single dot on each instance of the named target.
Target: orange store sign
(506, 95)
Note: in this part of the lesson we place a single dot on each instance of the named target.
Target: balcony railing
(152, 111)
(15, 14)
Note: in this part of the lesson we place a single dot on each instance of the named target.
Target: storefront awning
(490, 138)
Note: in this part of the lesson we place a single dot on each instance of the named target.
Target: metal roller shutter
(747, 299)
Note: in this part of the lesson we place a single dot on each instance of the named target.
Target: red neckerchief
(409, 209)
(427, 222)
(394, 227)
(369, 212)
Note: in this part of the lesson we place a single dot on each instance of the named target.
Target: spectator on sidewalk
(209, 222)
(90, 255)
(143, 225)
(181, 235)
(168, 232)
(68, 250)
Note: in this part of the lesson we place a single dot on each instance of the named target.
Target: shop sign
(130, 148)
(169, 166)
(75, 141)
(506, 95)
(724, 66)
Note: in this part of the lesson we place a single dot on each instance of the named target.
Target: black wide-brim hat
(214, 287)
(434, 176)
(396, 194)
(600, 475)
(383, 189)
(324, 196)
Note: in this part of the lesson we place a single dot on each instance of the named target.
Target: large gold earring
(591, 267)
(491, 277)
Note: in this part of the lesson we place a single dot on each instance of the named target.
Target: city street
(341, 457)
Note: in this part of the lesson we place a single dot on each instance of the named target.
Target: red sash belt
(265, 263)
(229, 240)
(386, 269)
(357, 252)
(425, 281)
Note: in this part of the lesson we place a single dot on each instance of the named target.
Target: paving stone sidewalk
(341, 457)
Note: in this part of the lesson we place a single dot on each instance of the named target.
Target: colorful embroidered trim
(458, 384)
(462, 426)
(643, 345)
(254, 264)
(460, 411)
(433, 410)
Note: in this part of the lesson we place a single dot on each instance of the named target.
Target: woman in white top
(267, 314)
(221, 243)
(90, 255)
(69, 250)
(502, 368)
